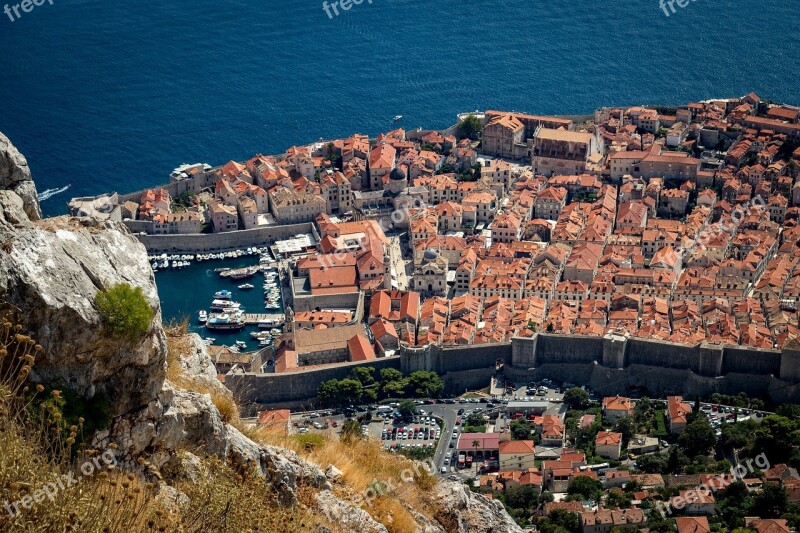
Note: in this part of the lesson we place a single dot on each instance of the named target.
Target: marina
(217, 305)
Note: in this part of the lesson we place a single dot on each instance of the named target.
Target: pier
(252, 319)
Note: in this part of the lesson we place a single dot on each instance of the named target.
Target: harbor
(232, 299)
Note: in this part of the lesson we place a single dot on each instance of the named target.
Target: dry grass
(363, 464)
(34, 458)
(231, 502)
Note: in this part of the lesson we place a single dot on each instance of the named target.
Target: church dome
(397, 174)
(431, 255)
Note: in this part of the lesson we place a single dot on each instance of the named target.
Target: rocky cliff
(50, 272)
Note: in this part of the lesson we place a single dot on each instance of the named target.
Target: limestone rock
(346, 515)
(186, 420)
(464, 511)
(51, 271)
(333, 474)
(184, 466)
(12, 208)
(171, 497)
(15, 176)
(197, 365)
(26, 190)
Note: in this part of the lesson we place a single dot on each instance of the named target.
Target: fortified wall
(615, 364)
(221, 242)
(293, 389)
(612, 364)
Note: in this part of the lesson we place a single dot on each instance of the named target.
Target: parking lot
(396, 434)
(720, 414)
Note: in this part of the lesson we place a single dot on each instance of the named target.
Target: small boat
(49, 193)
(269, 323)
(240, 273)
(202, 317)
(398, 117)
(246, 287)
(209, 340)
(223, 295)
(241, 345)
(225, 322)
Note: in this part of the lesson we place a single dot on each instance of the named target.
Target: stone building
(561, 152)
(291, 207)
(430, 276)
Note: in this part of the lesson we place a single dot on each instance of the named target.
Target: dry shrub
(37, 454)
(228, 410)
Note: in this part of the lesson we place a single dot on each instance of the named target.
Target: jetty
(252, 319)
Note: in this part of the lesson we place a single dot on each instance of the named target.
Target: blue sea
(112, 95)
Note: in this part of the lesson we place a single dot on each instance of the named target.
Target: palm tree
(475, 444)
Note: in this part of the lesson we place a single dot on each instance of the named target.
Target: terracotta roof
(516, 446)
(692, 524)
(360, 349)
(608, 438)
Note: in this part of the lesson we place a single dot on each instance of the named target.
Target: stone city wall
(610, 365)
(293, 387)
(221, 242)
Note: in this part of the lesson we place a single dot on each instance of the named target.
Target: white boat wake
(49, 193)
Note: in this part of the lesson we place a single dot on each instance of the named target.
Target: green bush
(124, 311)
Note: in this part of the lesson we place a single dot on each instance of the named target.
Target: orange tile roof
(360, 349)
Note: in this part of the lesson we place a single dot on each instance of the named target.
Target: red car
(458, 421)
